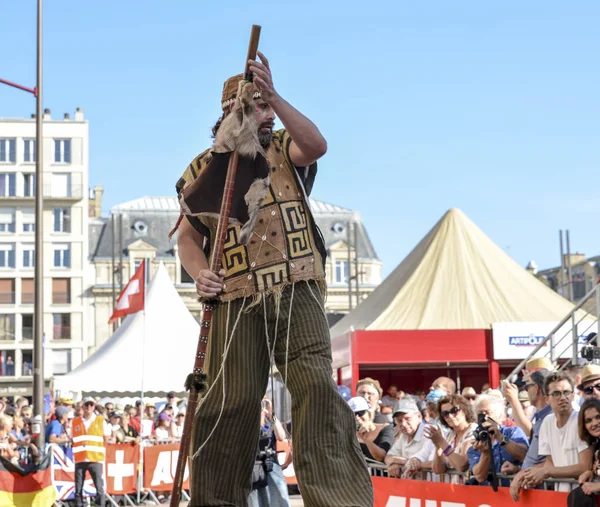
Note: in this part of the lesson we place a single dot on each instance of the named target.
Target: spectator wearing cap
(171, 402)
(411, 451)
(445, 384)
(456, 416)
(56, 431)
(375, 439)
(389, 401)
(590, 382)
(370, 390)
(509, 444)
(117, 434)
(469, 394)
(90, 435)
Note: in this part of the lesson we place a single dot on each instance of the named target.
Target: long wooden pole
(208, 307)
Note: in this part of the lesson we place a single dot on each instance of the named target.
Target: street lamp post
(38, 308)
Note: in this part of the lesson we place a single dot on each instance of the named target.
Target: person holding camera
(375, 439)
(268, 483)
(508, 444)
(451, 450)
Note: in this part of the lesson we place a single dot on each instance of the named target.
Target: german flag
(29, 487)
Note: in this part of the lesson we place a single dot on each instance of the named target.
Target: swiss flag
(131, 300)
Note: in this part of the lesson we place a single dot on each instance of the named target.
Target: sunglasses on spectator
(557, 395)
(180, 415)
(360, 413)
(590, 389)
(453, 411)
(470, 398)
(89, 404)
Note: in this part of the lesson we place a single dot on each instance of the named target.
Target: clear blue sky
(493, 108)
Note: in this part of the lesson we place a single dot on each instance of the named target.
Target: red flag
(131, 300)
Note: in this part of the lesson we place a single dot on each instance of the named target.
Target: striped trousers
(328, 462)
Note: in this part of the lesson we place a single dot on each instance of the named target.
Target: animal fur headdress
(238, 132)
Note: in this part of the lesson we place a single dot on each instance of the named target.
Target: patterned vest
(286, 245)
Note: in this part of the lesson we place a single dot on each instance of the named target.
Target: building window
(7, 291)
(7, 363)
(341, 271)
(28, 217)
(27, 291)
(7, 327)
(185, 276)
(61, 326)
(27, 326)
(60, 185)
(61, 291)
(29, 150)
(8, 151)
(27, 369)
(28, 256)
(62, 220)
(7, 221)
(61, 362)
(62, 255)
(28, 185)
(8, 186)
(7, 255)
(62, 151)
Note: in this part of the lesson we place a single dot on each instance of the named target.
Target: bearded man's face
(265, 118)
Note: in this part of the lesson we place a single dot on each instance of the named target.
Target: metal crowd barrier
(141, 496)
(378, 469)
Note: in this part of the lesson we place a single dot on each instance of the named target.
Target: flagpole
(142, 405)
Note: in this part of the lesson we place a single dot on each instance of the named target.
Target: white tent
(156, 354)
(455, 278)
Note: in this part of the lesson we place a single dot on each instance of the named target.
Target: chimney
(95, 206)
(79, 115)
(47, 114)
(67, 116)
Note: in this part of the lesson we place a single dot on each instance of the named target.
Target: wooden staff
(196, 382)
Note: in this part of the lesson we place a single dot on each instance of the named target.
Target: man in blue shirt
(509, 444)
(56, 432)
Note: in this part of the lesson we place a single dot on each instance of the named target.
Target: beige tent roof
(455, 278)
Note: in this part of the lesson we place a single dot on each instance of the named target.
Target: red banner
(401, 493)
(160, 464)
(122, 462)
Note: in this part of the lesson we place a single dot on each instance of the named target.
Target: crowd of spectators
(542, 432)
(126, 423)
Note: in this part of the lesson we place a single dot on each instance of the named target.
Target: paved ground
(295, 501)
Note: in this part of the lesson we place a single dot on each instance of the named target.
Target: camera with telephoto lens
(481, 433)
(267, 456)
(590, 353)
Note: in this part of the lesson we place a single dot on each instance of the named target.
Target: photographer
(268, 484)
(509, 444)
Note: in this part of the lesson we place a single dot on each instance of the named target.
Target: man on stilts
(270, 294)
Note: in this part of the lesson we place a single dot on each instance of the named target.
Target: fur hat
(230, 91)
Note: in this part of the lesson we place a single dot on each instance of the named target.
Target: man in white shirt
(412, 451)
(567, 456)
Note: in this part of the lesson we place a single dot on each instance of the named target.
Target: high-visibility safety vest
(88, 446)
